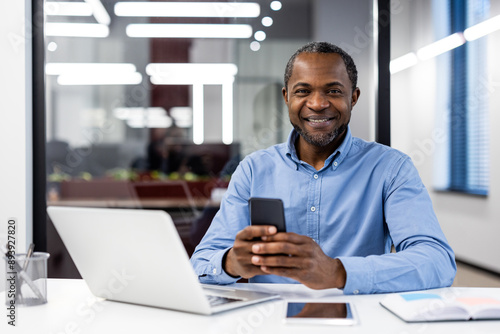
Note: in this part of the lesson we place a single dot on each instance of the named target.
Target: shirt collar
(339, 154)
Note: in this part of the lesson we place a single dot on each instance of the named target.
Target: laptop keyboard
(218, 300)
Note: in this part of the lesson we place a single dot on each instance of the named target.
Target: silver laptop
(137, 256)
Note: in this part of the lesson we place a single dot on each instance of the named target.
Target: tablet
(322, 313)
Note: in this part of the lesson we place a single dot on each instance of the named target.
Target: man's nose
(317, 101)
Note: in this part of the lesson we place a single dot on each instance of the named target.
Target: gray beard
(320, 140)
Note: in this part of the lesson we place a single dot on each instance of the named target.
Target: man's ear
(355, 96)
(285, 94)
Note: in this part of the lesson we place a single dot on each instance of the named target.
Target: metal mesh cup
(26, 279)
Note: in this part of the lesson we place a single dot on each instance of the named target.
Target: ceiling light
(189, 30)
(482, 29)
(403, 62)
(441, 46)
(52, 46)
(276, 5)
(187, 9)
(63, 8)
(267, 21)
(255, 46)
(76, 29)
(260, 35)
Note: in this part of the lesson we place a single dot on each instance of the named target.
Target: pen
(28, 255)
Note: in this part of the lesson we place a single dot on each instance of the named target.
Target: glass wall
(152, 104)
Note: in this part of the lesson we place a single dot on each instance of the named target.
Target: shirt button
(335, 163)
(316, 176)
(214, 271)
(355, 292)
(313, 208)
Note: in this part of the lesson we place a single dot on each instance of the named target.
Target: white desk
(71, 308)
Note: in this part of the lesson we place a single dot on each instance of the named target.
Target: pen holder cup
(26, 279)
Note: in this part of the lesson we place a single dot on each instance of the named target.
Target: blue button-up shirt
(366, 198)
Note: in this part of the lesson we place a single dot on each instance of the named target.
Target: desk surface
(71, 308)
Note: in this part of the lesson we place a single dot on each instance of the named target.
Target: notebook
(425, 306)
(137, 256)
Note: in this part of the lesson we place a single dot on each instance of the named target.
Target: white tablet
(325, 313)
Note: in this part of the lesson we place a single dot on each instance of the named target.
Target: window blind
(465, 167)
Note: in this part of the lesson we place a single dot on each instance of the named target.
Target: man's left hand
(300, 258)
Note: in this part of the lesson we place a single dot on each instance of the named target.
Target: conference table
(71, 308)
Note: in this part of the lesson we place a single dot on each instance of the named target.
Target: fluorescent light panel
(198, 114)
(152, 117)
(227, 114)
(138, 112)
(94, 79)
(100, 13)
(187, 9)
(191, 73)
(441, 46)
(403, 62)
(76, 68)
(446, 44)
(482, 29)
(163, 122)
(64, 8)
(76, 29)
(194, 80)
(160, 30)
(94, 73)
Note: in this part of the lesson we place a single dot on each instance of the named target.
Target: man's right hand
(239, 258)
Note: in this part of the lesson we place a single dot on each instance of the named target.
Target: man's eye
(335, 91)
(301, 91)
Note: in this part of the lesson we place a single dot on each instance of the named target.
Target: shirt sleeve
(423, 258)
(232, 217)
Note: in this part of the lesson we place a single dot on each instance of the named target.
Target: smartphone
(326, 313)
(267, 211)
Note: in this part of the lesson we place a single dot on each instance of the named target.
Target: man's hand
(239, 258)
(305, 261)
(283, 254)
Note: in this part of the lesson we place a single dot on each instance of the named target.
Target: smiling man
(347, 201)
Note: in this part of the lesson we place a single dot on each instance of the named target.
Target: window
(463, 101)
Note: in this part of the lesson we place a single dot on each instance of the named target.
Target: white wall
(471, 224)
(15, 127)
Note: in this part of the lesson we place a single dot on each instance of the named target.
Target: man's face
(319, 97)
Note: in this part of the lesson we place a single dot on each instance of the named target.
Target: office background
(470, 222)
